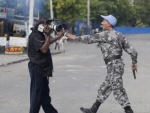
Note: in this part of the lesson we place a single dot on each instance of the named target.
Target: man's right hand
(134, 67)
(47, 30)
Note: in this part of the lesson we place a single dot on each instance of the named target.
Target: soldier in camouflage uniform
(112, 44)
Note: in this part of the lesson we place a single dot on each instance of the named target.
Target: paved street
(78, 73)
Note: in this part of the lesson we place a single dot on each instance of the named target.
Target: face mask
(41, 28)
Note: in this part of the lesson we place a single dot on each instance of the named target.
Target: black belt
(112, 58)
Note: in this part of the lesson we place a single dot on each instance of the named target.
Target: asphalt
(6, 59)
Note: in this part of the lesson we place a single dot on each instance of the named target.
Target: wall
(133, 30)
(124, 30)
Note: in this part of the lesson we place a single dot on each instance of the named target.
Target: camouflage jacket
(112, 43)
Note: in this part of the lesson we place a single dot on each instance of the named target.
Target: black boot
(93, 109)
(128, 109)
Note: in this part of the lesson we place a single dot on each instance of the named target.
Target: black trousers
(39, 92)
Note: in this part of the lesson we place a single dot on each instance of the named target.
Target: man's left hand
(60, 34)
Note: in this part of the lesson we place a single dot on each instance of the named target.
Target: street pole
(51, 15)
(31, 16)
(88, 16)
(132, 2)
(51, 9)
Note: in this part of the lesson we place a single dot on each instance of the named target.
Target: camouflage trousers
(114, 83)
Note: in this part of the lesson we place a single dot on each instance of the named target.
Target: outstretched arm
(99, 37)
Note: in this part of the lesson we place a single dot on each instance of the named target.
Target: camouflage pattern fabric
(114, 83)
(112, 43)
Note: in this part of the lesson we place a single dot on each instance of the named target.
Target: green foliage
(102, 7)
(128, 14)
(145, 10)
(70, 10)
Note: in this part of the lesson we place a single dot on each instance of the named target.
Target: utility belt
(112, 58)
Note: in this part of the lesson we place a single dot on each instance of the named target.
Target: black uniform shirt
(36, 57)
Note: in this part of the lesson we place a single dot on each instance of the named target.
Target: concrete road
(78, 73)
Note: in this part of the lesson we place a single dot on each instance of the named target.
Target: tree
(72, 10)
(134, 18)
(69, 10)
(145, 10)
(102, 7)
